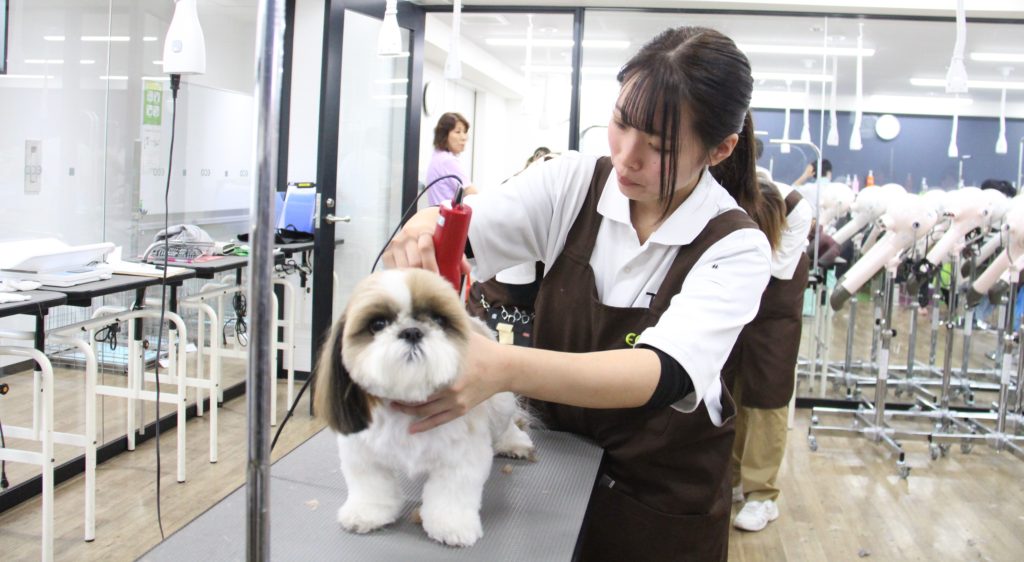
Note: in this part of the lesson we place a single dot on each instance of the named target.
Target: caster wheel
(903, 470)
(944, 449)
(969, 399)
(966, 447)
(933, 451)
(812, 443)
(815, 420)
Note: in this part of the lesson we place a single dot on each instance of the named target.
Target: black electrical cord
(109, 335)
(175, 84)
(405, 217)
(4, 484)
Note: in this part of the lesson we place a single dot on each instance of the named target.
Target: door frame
(412, 18)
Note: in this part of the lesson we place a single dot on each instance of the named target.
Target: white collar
(684, 224)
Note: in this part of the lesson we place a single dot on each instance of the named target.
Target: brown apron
(663, 487)
(766, 352)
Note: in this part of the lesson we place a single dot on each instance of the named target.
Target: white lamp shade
(184, 46)
(856, 142)
(389, 40)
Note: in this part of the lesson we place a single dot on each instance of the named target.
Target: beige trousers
(759, 448)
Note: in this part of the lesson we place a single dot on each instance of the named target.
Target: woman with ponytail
(653, 266)
(760, 369)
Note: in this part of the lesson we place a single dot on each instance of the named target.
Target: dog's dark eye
(439, 320)
(378, 324)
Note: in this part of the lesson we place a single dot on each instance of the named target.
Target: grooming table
(533, 512)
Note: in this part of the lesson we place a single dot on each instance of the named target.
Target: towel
(6, 298)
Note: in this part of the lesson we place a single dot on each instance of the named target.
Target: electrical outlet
(33, 166)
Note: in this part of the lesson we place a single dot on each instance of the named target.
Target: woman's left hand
(480, 379)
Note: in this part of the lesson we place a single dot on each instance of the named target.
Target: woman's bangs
(651, 104)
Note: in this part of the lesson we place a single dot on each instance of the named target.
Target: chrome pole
(1020, 162)
(270, 25)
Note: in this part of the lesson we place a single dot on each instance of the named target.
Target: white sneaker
(756, 515)
(737, 494)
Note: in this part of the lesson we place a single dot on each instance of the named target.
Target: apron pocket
(618, 527)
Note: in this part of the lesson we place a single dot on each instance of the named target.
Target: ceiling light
(805, 50)
(566, 69)
(25, 77)
(558, 43)
(86, 61)
(105, 38)
(778, 99)
(930, 101)
(791, 76)
(981, 84)
(113, 77)
(998, 57)
(149, 38)
(44, 61)
(53, 37)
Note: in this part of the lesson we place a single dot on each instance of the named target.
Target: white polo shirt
(793, 242)
(529, 217)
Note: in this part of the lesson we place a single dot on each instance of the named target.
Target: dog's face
(402, 337)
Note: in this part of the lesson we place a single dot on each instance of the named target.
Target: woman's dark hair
(444, 126)
(773, 210)
(541, 152)
(700, 74)
(826, 167)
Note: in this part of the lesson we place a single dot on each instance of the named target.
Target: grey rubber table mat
(532, 512)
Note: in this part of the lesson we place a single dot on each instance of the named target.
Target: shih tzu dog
(402, 338)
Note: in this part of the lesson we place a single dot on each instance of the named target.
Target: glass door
(370, 149)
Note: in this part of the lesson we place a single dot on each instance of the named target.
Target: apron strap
(583, 234)
(792, 200)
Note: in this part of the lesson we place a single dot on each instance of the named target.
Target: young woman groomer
(654, 266)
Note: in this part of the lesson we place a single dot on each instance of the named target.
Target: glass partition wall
(516, 88)
(85, 127)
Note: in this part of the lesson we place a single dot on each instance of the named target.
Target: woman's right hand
(413, 246)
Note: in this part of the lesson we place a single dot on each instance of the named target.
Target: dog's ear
(339, 400)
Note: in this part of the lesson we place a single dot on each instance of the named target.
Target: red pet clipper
(450, 237)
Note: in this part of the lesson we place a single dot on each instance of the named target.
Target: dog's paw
(453, 527)
(365, 517)
(514, 443)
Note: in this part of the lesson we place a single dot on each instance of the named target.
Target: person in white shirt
(654, 264)
(760, 372)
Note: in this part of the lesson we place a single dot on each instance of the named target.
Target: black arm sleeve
(674, 384)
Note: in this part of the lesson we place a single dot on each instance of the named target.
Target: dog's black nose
(411, 335)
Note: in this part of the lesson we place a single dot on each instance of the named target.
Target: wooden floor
(843, 502)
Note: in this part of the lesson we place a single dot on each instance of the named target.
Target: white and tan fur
(402, 338)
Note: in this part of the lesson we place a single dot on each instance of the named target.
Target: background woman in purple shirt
(450, 136)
